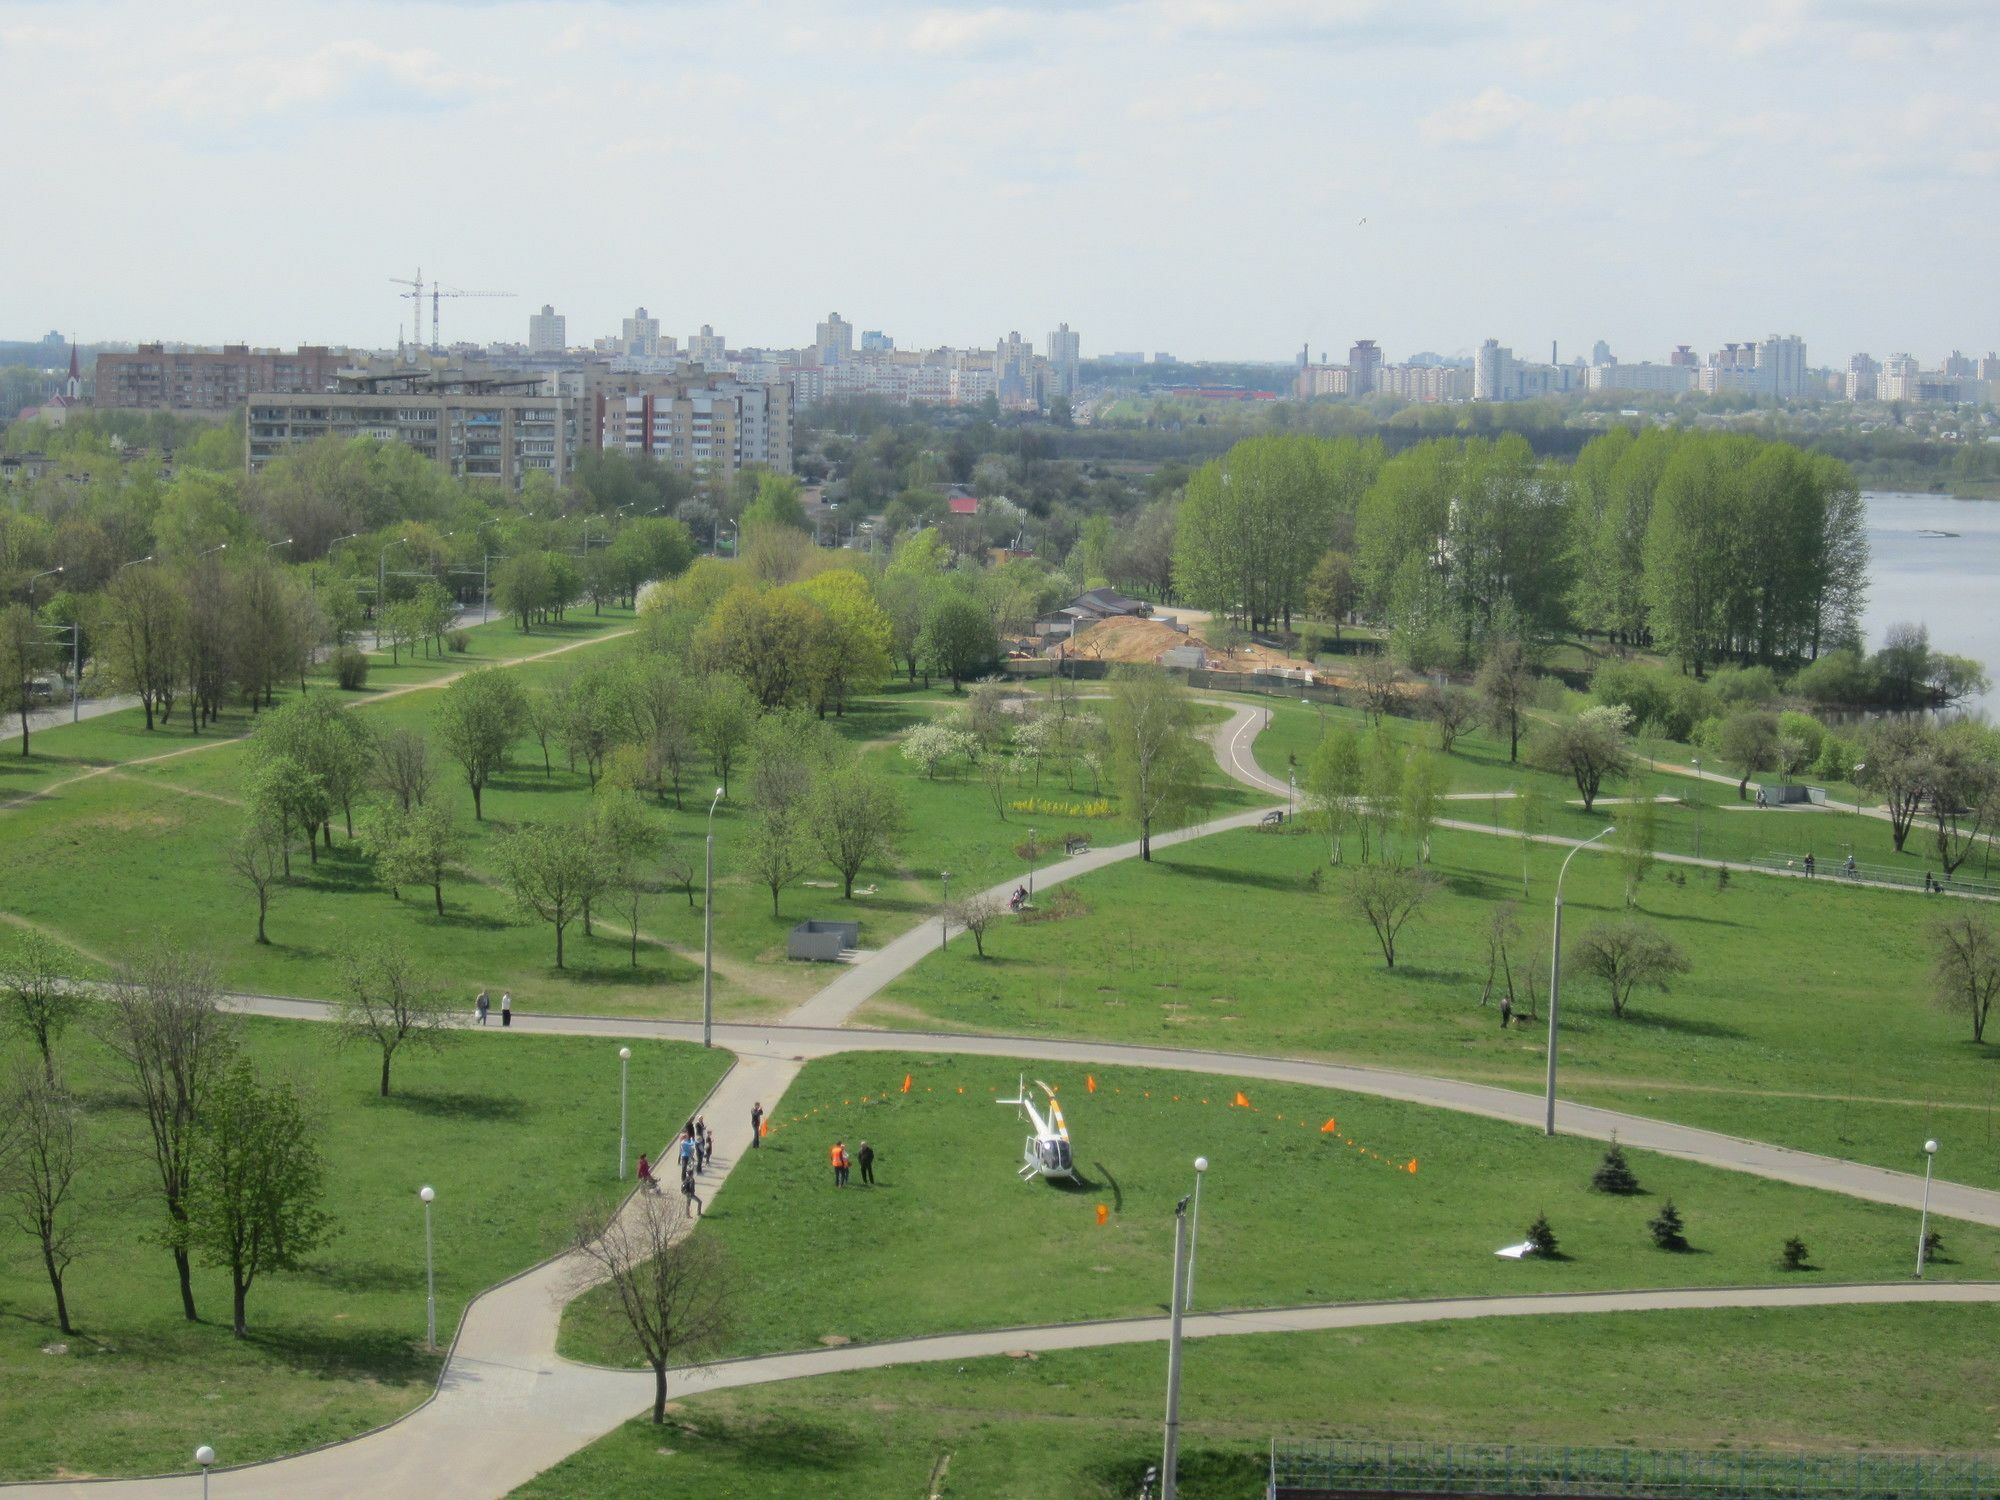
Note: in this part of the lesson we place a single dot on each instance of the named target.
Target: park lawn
(1290, 1212)
(1087, 1422)
(1806, 1019)
(518, 1134)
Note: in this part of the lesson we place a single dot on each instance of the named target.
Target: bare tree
(1503, 930)
(1506, 685)
(1387, 896)
(38, 1173)
(258, 860)
(39, 995)
(1376, 685)
(1451, 711)
(550, 867)
(1626, 953)
(1965, 967)
(677, 867)
(403, 766)
(673, 1289)
(164, 1023)
(385, 1003)
(975, 914)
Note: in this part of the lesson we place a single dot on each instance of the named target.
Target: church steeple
(73, 387)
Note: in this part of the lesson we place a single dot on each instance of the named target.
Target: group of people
(482, 1004)
(842, 1164)
(694, 1148)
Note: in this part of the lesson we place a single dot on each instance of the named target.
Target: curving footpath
(507, 1407)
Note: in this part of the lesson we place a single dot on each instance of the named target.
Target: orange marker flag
(1241, 1102)
(1103, 1214)
(1090, 1083)
(1330, 1128)
(906, 1083)
(961, 1088)
(764, 1127)
(1411, 1166)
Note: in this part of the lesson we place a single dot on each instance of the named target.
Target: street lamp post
(75, 667)
(205, 1456)
(274, 546)
(944, 916)
(1697, 807)
(428, 1193)
(1555, 976)
(1194, 1225)
(135, 562)
(36, 578)
(1032, 852)
(1169, 1460)
(708, 934)
(1924, 1223)
(1291, 793)
(624, 1067)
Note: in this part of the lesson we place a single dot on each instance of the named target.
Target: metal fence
(1351, 1468)
(1779, 863)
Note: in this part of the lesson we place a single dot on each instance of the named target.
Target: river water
(1949, 583)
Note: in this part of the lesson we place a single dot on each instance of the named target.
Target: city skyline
(1225, 181)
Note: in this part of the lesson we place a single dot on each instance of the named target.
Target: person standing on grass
(480, 1005)
(506, 1009)
(867, 1159)
(838, 1157)
(757, 1125)
(1506, 1011)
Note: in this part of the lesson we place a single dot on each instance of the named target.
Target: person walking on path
(757, 1125)
(867, 1159)
(480, 1005)
(690, 1199)
(646, 1175)
(838, 1156)
(1506, 1011)
(506, 1009)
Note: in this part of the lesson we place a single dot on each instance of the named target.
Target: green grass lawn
(517, 1134)
(1086, 1423)
(185, 811)
(1290, 1213)
(1806, 1019)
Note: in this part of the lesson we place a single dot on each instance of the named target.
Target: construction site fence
(1417, 1469)
(1270, 684)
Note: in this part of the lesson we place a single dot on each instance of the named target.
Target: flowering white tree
(928, 746)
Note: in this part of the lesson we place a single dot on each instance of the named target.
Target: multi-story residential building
(702, 423)
(1600, 354)
(1016, 377)
(498, 430)
(1989, 367)
(875, 341)
(153, 379)
(1320, 380)
(547, 331)
(1775, 368)
(1363, 361)
(1898, 380)
(1492, 371)
(708, 348)
(640, 335)
(834, 339)
(1065, 359)
(1670, 380)
(1684, 355)
(1862, 372)
(1959, 366)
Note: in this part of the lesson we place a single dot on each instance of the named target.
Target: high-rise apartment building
(875, 341)
(834, 339)
(1015, 375)
(1065, 360)
(546, 331)
(1781, 359)
(1492, 371)
(1959, 366)
(1862, 373)
(1989, 367)
(1600, 354)
(153, 379)
(640, 335)
(708, 348)
(1363, 361)
(703, 424)
(1898, 380)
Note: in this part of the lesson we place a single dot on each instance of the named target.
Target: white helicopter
(1046, 1153)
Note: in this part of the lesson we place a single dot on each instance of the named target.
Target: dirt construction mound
(1131, 639)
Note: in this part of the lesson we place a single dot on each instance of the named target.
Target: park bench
(1274, 818)
(1076, 843)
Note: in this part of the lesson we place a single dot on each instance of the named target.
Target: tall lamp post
(1033, 850)
(708, 934)
(428, 1193)
(1556, 974)
(1924, 1223)
(944, 915)
(1697, 807)
(1170, 1459)
(36, 578)
(1194, 1224)
(274, 546)
(205, 1456)
(624, 1067)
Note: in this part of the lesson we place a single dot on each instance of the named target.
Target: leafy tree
(1965, 967)
(421, 847)
(775, 850)
(975, 913)
(477, 720)
(766, 638)
(523, 587)
(1897, 768)
(24, 651)
(1795, 1256)
(1419, 798)
(852, 652)
(283, 796)
(38, 1171)
(1333, 785)
(1964, 787)
(39, 989)
(1587, 749)
(1626, 953)
(258, 1178)
(385, 1003)
(403, 765)
(165, 1023)
(957, 637)
(595, 716)
(1386, 897)
(1614, 1174)
(1748, 740)
(723, 722)
(258, 860)
(1331, 594)
(777, 504)
(854, 815)
(1506, 686)
(140, 622)
(930, 744)
(1157, 753)
(552, 869)
(1637, 842)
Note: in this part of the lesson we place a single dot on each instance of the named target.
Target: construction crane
(439, 291)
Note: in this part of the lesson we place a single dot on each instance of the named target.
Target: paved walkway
(499, 1419)
(507, 1407)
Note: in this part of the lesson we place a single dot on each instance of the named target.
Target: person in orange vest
(838, 1156)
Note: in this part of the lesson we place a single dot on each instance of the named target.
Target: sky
(1219, 179)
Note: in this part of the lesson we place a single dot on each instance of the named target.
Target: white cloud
(972, 34)
(1486, 119)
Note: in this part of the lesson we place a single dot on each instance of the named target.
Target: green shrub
(459, 641)
(1669, 1233)
(1542, 1239)
(1839, 677)
(1743, 686)
(1672, 703)
(1614, 1174)
(1808, 731)
(1795, 1256)
(350, 669)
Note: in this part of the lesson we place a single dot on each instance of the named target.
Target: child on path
(480, 1006)
(708, 1143)
(646, 1175)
